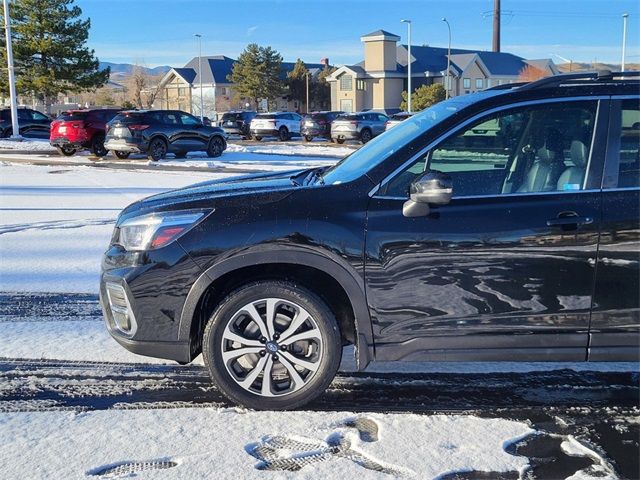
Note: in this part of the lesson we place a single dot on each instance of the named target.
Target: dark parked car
(318, 124)
(361, 126)
(524, 246)
(81, 129)
(237, 123)
(158, 132)
(396, 119)
(31, 123)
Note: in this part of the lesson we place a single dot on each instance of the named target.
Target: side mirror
(432, 187)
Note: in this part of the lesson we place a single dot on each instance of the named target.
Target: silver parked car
(396, 119)
(361, 126)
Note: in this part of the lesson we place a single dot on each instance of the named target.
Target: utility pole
(409, 91)
(448, 85)
(496, 25)
(11, 73)
(307, 77)
(199, 36)
(625, 17)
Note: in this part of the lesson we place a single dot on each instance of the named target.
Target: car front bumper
(143, 296)
(264, 132)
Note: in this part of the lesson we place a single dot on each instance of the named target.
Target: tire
(180, 154)
(308, 138)
(66, 151)
(283, 134)
(121, 155)
(294, 386)
(257, 138)
(340, 141)
(157, 149)
(365, 135)
(97, 147)
(216, 146)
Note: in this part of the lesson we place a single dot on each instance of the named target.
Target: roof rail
(558, 80)
(506, 86)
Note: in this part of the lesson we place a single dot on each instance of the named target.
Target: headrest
(579, 153)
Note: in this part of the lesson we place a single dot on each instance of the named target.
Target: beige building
(180, 88)
(379, 80)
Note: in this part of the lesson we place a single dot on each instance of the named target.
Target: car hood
(273, 185)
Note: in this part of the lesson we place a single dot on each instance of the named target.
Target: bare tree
(143, 88)
(531, 74)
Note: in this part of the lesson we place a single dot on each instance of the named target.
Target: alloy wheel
(271, 347)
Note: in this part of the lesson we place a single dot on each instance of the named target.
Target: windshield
(380, 148)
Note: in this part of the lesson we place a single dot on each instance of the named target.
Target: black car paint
(29, 127)
(518, 276)
(179, 138)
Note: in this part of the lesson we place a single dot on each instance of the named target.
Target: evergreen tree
(297, 82)
(424, 97)
(320, 90)
(257, 74)
(49, 46)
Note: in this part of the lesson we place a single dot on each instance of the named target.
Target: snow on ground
(55, 223)
(231, 444)
(33, 144)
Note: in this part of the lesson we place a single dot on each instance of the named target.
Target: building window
(466, 83)
(447, 82)
(479, 83)
(498, 82)
(361, 85)
(182, 91)
(488, 83)
(346, 82)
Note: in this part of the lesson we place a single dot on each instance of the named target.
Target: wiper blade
(314, 176)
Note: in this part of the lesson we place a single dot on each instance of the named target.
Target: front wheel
(216, 147)
(157, 149)
(308, 138)
(365, 136)
(97, 147)
(340, 141)
(66, 150)
(272, 345)
(283, 134)
(121, 155)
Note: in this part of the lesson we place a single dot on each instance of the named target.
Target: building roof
(216, 69)
(434, 59)
(380, 35)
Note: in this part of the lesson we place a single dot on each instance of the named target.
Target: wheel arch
(270, 264)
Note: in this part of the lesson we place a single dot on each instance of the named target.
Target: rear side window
(629, 166)
(72, 116)
(231, 116)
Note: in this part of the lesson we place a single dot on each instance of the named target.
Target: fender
(335, 266)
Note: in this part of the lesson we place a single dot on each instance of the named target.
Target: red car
(81, 129)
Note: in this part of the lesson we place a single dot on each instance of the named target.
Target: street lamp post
(408, 22)
(11, 73)
(199, 36)
(448, 81)
(625, 18)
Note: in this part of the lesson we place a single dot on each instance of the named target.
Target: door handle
(564, 220)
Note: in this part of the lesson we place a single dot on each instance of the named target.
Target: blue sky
(160, 32)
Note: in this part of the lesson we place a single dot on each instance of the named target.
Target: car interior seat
(547, 166)
(572, 177)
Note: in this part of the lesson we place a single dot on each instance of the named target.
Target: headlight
(155, 230)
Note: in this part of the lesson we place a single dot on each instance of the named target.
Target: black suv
(237, 123)
(521, 244)
(158, 132)
(31, 123)
(318, 124)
